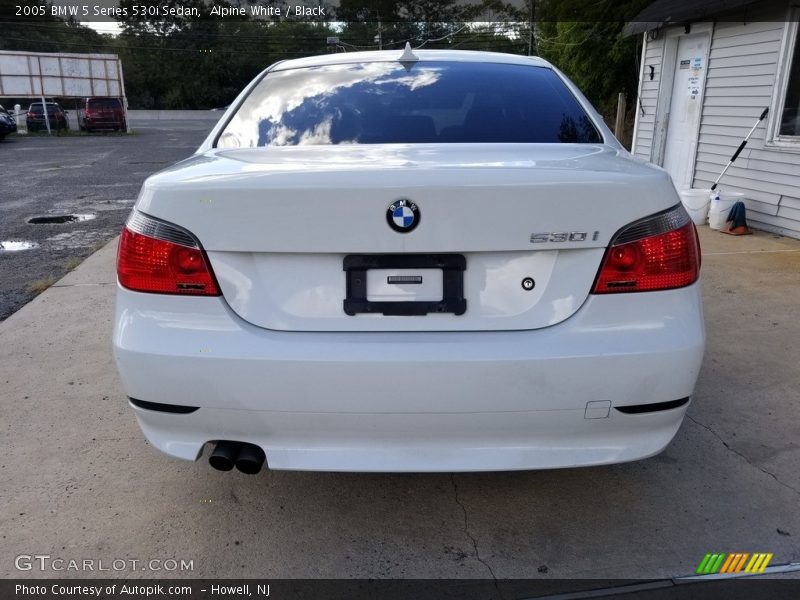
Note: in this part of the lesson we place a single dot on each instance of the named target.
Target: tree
(191, 62)
(390, 24)
(198, 63)
(586, 42)
(45, 33)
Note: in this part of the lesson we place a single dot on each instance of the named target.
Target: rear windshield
(428, 102)
(103, 103)
(37, 108)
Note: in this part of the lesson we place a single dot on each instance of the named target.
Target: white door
(685, 108)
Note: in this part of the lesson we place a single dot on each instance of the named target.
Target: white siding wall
(742, 71)
(648, 97)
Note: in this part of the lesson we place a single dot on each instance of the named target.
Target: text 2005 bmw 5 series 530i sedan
(417, 261)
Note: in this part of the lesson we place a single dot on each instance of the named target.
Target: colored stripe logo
(736, 562)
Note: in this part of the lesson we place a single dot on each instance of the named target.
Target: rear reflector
(158, 257)
(660, 252)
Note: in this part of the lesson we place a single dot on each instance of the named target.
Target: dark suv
(35, 118)
(103, 113)
(7, 123)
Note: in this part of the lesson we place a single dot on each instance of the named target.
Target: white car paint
(524, 379)
(265, 267)
(466, 401)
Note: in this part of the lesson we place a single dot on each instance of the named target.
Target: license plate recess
(357, 266)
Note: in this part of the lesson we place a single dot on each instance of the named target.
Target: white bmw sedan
(427, 261)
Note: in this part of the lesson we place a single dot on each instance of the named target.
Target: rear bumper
(442, 401)
(42, 124)
(104, 123)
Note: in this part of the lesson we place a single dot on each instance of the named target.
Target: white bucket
(696, 203)
(720, 207)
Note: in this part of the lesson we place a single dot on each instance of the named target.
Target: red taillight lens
(147, 264)
(659, 262)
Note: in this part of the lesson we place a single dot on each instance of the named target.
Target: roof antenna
(408, 58)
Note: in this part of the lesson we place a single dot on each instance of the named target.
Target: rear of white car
(437, 264)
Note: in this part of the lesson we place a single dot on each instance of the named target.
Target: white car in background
(434, 261)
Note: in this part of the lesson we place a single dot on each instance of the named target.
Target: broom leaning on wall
(736, 223)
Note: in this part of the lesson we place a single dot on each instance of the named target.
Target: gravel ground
(99, 176)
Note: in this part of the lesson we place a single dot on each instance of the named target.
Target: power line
(278, 38)
(273, 30)
(279, 31)
(439, 39)
(477, 36)
(150, 48)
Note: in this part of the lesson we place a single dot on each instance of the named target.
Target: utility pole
(530, 26)
(619, 122)
(379, 38)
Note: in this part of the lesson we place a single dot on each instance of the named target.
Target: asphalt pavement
(95, 177)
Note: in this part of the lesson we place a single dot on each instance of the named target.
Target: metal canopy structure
(37, 74)
(42, 75)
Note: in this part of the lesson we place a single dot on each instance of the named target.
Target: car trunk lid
(531, 222)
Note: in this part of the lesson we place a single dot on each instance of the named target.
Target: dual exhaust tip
(248, 458)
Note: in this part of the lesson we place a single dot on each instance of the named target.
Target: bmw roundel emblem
(402, 215)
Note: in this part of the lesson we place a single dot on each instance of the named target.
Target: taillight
(660, 252)
(162, 258)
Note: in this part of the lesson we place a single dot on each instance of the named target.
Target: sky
(111, 27)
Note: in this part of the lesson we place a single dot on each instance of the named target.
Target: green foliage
(591, 50)
(46, 33)
(203, 63)
(206, 63)
(428, 23)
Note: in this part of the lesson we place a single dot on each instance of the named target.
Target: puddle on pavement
(59, 219)
(9, 246)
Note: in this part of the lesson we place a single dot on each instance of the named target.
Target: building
(708, 70)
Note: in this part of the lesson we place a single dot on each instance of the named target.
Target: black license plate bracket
(453, 266)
